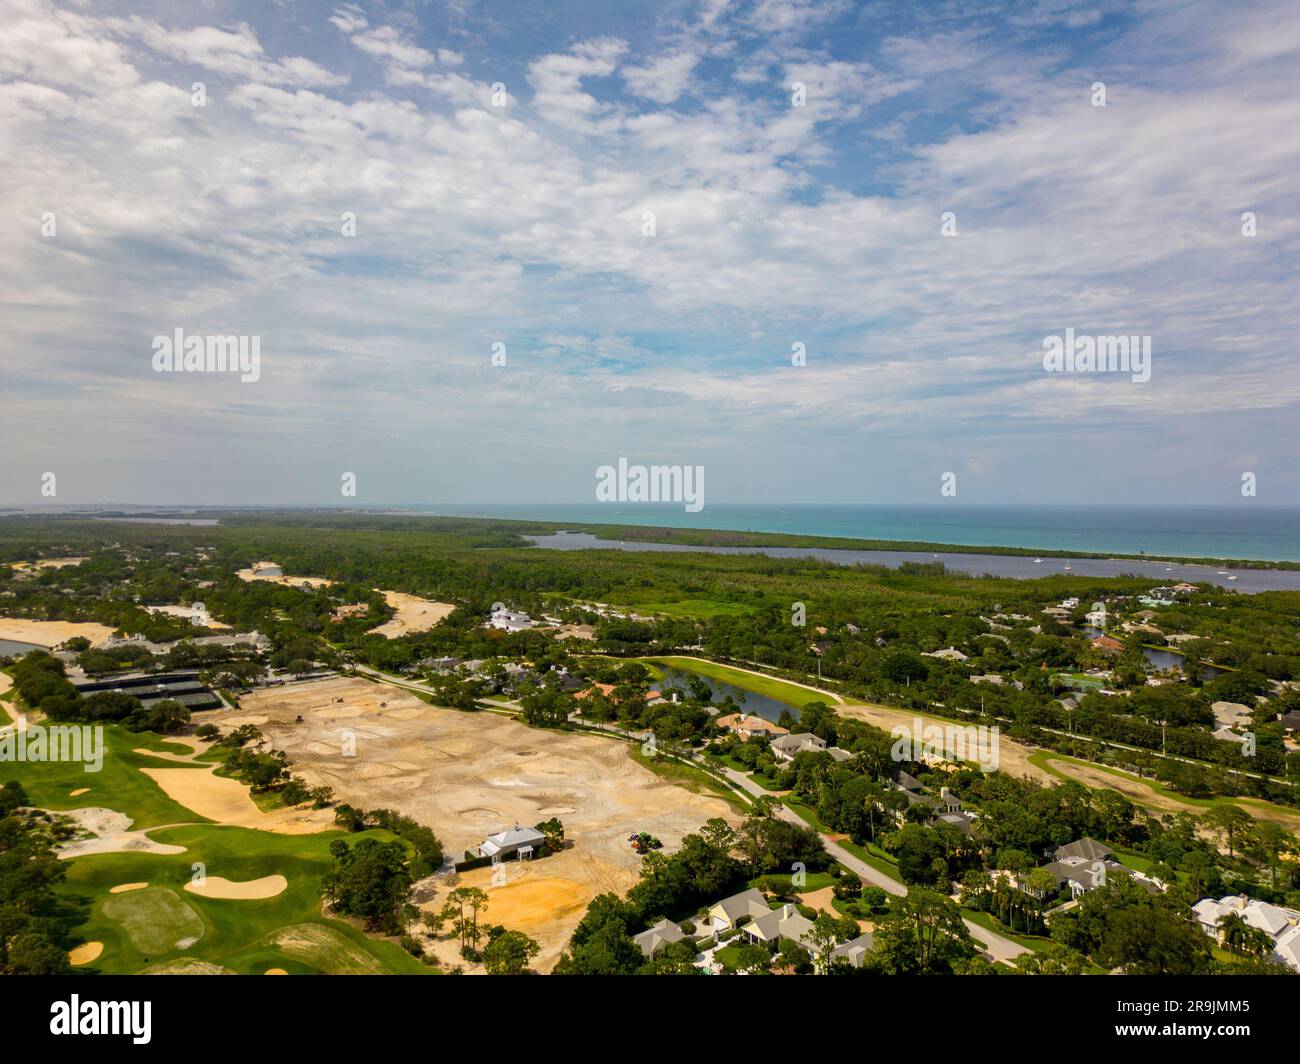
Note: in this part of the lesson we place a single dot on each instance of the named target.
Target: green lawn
(691, 777)
(696, 609)
(781, 690)
(118, 785)
(146, 928)
(1044, 758)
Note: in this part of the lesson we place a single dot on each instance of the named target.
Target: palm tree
(1233, 932)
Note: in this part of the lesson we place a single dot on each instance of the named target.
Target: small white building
(521, 841)
(510, 621)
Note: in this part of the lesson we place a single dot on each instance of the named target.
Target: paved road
(999, 948)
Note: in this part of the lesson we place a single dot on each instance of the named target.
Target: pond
(13, 648)
(1163, 659)
(746, 701)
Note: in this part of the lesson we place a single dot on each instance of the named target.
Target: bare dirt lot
(51, 633)
(413, 615)
(256, 573)
(467, 775)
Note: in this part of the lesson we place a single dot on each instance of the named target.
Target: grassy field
(164, 924)
(691, 778)
(780, 690)
(118, 785)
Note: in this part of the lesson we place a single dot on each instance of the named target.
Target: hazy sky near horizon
(525, 225)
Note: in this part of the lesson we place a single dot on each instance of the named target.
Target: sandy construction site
(413, 615)
(467, 775)
(51, 633)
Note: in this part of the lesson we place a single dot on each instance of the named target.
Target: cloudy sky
(502, 162)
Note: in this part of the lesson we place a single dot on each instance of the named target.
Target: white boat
(1067, 567)
(1232, 578)
(1038, 561)
(1222, 572)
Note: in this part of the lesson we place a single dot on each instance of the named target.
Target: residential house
(1281, 924)
(654, 938)
(1108, 645)
(1231, 714)
(770, 928)
(853, 951)
(748, 725)
(1085, 864)
(947, 654)
(510, 621)
(787, 746)
(520, 841)
(726, 914)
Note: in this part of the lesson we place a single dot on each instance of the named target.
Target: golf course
(172, 891)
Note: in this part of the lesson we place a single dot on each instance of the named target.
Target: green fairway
(147, 928)
(155, 920)
(118, 785)
(780, 690)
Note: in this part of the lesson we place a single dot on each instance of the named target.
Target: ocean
(1245, 530)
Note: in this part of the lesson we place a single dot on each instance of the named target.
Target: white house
(510, 621)
(522, 841)
(1281, 924)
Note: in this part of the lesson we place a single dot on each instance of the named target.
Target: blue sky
(774, 224)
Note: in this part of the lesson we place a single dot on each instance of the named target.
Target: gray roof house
(787, 746)
(1086, 848)
(664, 932)
(724, 914)
(854, 950)
(776, 924)
(517, 840)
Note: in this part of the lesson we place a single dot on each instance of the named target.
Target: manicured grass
(782, 883)
(690, 777)
(1037, 943)
(781, 690)
(119, 784)
(697, 609)
(140, 929)
(1044, 758)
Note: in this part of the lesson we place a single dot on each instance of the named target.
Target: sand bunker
(227, 801)
(413, 615)
(257, 573)
(276, 971)
(126, 888)
(78, 792)
(51, 633)
(86, 953)
(470, 774)
(250, 890)
(188, 613)
(107, 831)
